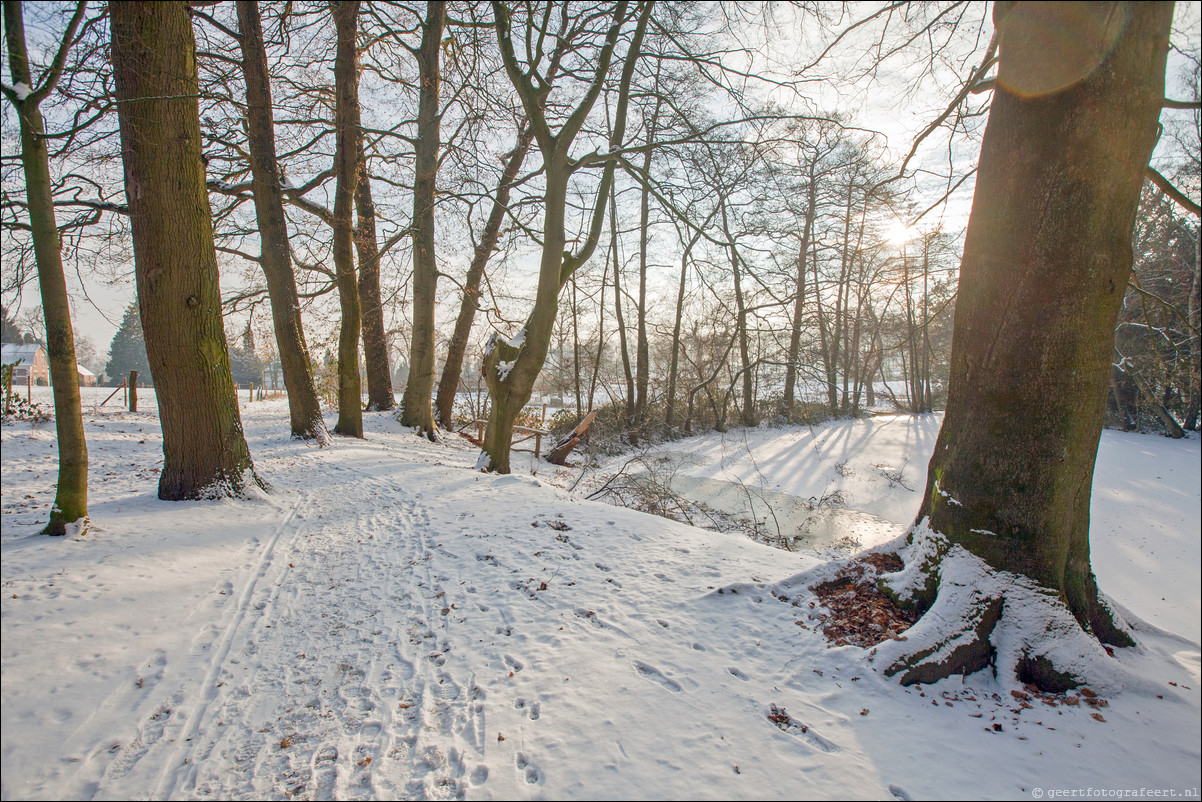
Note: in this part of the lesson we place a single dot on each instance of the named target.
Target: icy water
(802, 523)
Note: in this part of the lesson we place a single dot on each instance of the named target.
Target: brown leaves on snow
(857, 612)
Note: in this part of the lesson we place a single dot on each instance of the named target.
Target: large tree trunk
(1046, 262)
(154, 64)
(416, 407)
(303, 406)
(452, 368)
(346, 157)
(71, 496)
(512, 365)
(375, 342)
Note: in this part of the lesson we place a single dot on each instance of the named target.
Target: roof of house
(84, 371)
(18, 352)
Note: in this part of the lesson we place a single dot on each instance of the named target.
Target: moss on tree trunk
(1046, 261)
(154, 63)
(304, 409)
(71, 495)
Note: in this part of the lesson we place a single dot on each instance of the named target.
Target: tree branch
(1177, 195)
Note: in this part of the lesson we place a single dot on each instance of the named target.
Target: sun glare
(898, 233)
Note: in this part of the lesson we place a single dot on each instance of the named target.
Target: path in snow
(388, 623)
(358, 700)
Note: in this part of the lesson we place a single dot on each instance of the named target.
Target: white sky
(880, 105)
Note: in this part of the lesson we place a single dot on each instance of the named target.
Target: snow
(389, 623)
(517, 340)
(22, 90)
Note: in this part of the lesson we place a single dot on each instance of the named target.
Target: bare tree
(276, 255)
(204, 451)
(1045, 263)
(26, 94)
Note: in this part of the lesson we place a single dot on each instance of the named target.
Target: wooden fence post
(133, 391)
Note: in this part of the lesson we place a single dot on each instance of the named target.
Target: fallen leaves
(783, 722)
(858, 613)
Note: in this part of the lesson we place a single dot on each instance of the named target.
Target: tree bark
(417, 409)
(375, 342)
(71, 496)
(1045, 267)
(154, 64)
(304, 409)
(346, 157)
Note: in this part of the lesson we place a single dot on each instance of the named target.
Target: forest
(427, 232)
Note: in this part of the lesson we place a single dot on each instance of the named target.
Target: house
(29, 361)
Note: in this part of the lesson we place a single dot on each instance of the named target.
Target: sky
(904, 95)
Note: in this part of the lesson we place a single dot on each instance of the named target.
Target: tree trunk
(371, 306)
(619, 318)
(744, 337)
(674, 362)
(1046, 262)
(417, 407)
(642, 347)
(799, 289)
(276, 256)
(154, 64)
(71, 496)
(346, 157)
(824, 347)
(452, 369)
(512, 366)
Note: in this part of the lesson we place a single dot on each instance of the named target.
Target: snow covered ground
(388, 623)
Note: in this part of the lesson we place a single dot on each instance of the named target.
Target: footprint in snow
(734, 672)
(899, 793)
(533, 710)
(514, 663)
(655, 675)
(533, 775)
(786, 723)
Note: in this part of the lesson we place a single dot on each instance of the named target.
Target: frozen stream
(808, 523)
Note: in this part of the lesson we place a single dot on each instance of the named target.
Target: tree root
(981, 618)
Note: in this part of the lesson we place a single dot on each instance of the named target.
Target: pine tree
(128, 349)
